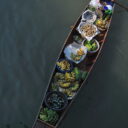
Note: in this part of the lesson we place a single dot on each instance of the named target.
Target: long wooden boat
(86, 65)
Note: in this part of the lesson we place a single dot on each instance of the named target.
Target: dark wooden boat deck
(40, 125)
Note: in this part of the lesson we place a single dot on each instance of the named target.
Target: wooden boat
(86, 65)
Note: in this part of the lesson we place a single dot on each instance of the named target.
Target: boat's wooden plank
(39, 124)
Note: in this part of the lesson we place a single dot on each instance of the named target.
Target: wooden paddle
(121, 5)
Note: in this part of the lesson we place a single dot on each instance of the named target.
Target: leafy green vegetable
(84, 75)
(54, 87)
(80, 75)
(91, 45)
(78, 39)
(49, 116)
(77, 73)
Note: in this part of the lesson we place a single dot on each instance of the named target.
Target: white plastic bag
(73, 48)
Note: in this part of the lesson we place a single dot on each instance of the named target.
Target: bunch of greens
(91, 45)
(80, 75)
(49, 116)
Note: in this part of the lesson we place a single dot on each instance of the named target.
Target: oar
(121, 5)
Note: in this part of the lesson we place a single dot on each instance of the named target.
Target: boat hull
(90, 61)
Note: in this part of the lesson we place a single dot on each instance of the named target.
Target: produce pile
(48, 116)
(77, 56)
(91, 45)
(68, 76)
(87, 29)
(64, 65)
(68, 83)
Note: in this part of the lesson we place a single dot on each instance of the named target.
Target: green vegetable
(75, 87)
(91, 45)
(77, 73)
(84, 75)
(108, 12)
(49, 116)
(78, 39)
(94, 46)
(92, 8)
(54, 87)
(80, 75)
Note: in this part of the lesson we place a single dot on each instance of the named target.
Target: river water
(32, 34)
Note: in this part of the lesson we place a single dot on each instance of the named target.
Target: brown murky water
(32, 33)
